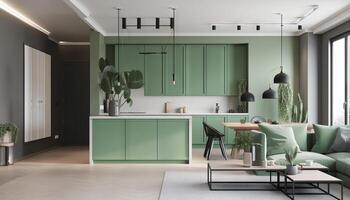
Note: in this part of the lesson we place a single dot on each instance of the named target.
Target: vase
(292, 169)
(111, 109)
(236, 153)
(6, 138)
(247, 159)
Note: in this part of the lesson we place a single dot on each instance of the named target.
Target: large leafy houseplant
(8, 128)
(118, 85)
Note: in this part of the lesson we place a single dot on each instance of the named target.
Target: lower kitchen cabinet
(173, 140)
(216, 122)
(141, 140)
(198, 135)
(109, 143)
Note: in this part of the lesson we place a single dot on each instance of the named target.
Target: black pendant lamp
(247, 97)
(269, 94)
(281, 78)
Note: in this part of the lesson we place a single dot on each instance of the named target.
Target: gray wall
(324, 76)
(75, 63)
(13, 35)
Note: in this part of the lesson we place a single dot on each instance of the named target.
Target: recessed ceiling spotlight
(238, 27)
(213, 27)
(258, 27)
(300, 27)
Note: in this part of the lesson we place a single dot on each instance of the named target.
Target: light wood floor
(62, 173)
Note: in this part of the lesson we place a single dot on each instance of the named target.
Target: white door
(37, 94)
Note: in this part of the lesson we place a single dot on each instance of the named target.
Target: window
(339, 81)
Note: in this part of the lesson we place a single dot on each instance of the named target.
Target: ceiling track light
(157, 22)
(238, 27)
(138, 21)
(300, 27)
(123, 23)
(213, 27)
(258, 27)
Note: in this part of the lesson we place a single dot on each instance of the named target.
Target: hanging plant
(285, 95)
(242, 87)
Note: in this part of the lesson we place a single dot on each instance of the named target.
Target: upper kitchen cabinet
(177, 89)
(130, 57)
(215, 70)
(237, 67)
(154, 70)
(195, 70)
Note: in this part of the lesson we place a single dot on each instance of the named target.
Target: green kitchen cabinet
(177, 89)
(141, 140)
(198, 135)
(130, 57)
(154, 70)
(173, 139)
(216, 122)
(195, 70)
(108, 139)
(236, 68)
(215, 70)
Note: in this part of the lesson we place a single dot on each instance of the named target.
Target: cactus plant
(285, 95)
(299, 114)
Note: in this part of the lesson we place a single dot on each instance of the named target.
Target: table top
(313, 176)
(248, 126)
(237, 165)
(314, 166)
(6, 144)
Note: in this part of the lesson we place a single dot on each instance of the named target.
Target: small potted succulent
(8, 133)
(291, 155)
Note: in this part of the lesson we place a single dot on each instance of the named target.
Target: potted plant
(117, 86)
(291, 156)
(8, 133)
(244, 143)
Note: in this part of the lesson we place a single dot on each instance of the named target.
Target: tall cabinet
(37, 94)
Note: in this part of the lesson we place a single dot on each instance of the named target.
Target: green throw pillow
(279, 138)
(300, 134)
(325, 136)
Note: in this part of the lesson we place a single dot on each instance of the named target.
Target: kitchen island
(140, 139)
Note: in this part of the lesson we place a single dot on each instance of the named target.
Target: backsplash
(194, 104)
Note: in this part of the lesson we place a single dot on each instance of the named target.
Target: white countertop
(172, 114)
(141, 117)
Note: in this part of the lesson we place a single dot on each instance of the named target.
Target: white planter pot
(292, 169)
(247, 159)
(237, 154)
(7, 138)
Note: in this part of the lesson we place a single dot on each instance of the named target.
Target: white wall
(198, 104)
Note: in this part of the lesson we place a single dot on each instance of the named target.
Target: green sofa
(338, 163)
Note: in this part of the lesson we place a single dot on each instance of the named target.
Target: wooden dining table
(248, 126)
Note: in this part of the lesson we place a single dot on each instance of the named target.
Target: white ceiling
(194, 17)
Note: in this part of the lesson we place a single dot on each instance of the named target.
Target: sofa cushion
(342, 162)
(300, 134)
(325, 136)
(279, 138)
(341, 142)
(305, 155)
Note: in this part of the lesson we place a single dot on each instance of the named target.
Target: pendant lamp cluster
(157, 25)
(280, 78)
